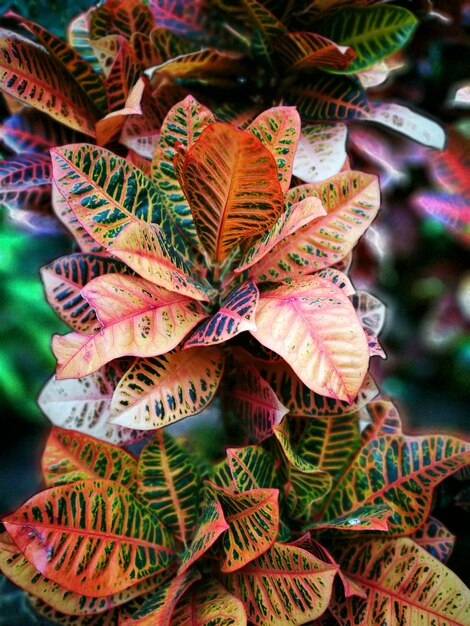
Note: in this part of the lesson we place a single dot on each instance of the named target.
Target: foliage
(198, 160)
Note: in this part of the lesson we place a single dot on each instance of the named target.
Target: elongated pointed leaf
(156, 392)
(169, 483)
(138, 319)
(351, 200)
(372, 32)
(31, 75)
(302, 51)
(145, 249)
(267, 584)
(403, 580)
(18, 173)
(210, 526)
(14, 565)
(89, 537)
(434, 537)
(104, 191)
(124, 73)
(209, 604)
(322, 98)
(183, 124)
(78, 37)
(253, 519)
(230, 180)
(84, 404)
(253, 15)
(236, 315)
(252, 467)
(321, 152)
(313, 326)
(158, 609)
(278, 129)
(369, 517)
(71, 456)
(402, 474)
(63, 280)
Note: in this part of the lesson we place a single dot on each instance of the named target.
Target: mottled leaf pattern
(105, 521)
(158, 391)
(434, 537)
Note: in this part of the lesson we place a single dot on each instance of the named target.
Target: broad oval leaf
(267, 584)
(321, 152)
(139, 319)
(104, 191)
(278, 129)
(71, 456)
(90, 537)
(156, 392)
(313, 326)
(169, 483)
(36, 78)
(231, 182)
(236, 315)
(372, 32)
(351, 200)
(403, 580)
(434, 537)
(302, 51)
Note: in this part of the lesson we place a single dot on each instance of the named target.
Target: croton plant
(213, 233)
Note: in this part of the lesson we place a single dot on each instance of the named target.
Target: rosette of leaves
(293, 530)
(209, 247)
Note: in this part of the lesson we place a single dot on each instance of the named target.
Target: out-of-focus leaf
(321, 152)
(305, 51)
(434, 537)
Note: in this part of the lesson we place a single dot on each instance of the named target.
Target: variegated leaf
(138, 318)
(321, 152)
(158, 391)
(183, 124)
(207, 65)
(451, 210)
(63, 280)
(302, 51)
(104, 191)
(169, 483)
(278, 129)
(404, 584)
(252, 467)
(89, 537)
(209, 604)
(236, 315)
(253, 519)
(124, 73)
(84, 404)
(108, 618)
(434, 537)
(368, 517)
(253, 15)
(230, 180)
(109, 127)
(267, 586)
(78, 38)
(176, 16)
(36, 78)
(324, 342)
(351, 200)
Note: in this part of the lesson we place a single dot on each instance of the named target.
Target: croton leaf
(18, 569)
(278, 129)
(158, 609)
(450, 168)
(253, 519)
(71, 456)
(400, 472)
(36, 78)
(383, 419)
(252, 467)
(321, 152)
(372, 32)
(127, 17)
(267, 585)
(323, 98)
(158, 391)
(63, 280)
(253, 15)
(305, 51)
(89, 537)
(451, 210)
(25, 184)
(351, 200)
(104, 191)
(123, 74)
(231, 182)
(183, 124)
(368, 517)
(207, 65)
(138, 318)
(109, 127)
(78, 38)
(178, 17)
(84, 404)
(168, 482)
(401, 580)
(209, 604)
(434, 537)
(40, 608)
(311, 323)
(236, 314)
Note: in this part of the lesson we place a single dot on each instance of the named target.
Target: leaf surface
(300, 51)
(252, 467)
(434, 537)
(209, 604)
(321, 152)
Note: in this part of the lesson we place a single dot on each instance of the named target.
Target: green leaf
(267, 585)
(72, 456)
(253, 15)
(90, 538)
(209, 604)
(169, 483)
(372, 32)
(78, 37)
(252, 467)
(158, 391)
(368, 517)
